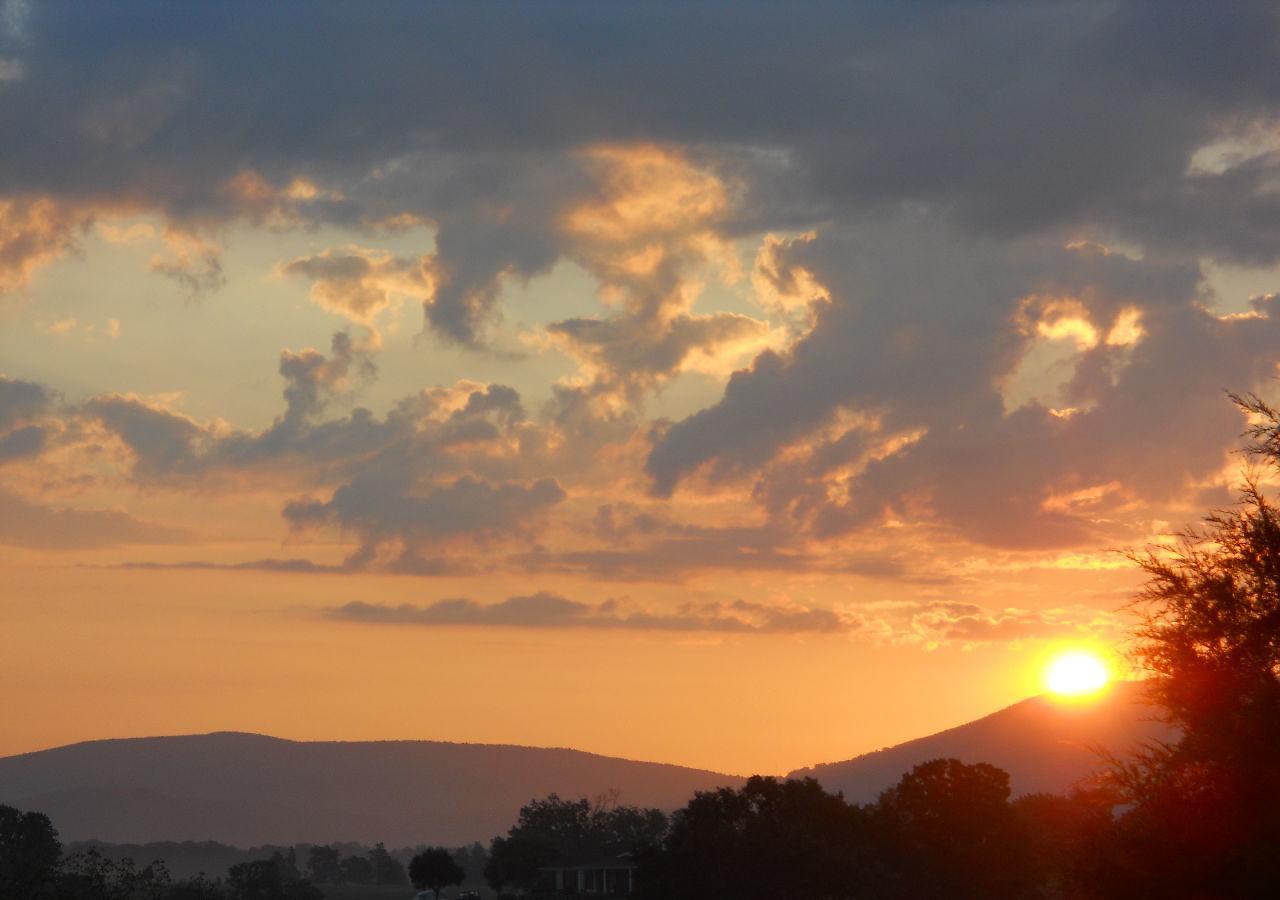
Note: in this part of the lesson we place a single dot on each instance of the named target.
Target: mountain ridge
(244, 788)
(1045, 744)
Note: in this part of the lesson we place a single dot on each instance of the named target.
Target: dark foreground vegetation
(35, 866)
(1196, 818)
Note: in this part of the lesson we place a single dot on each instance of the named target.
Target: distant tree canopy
(555, 831)
(386, 868)
(324, 864)
(33, 867)
(435, 868)
(270, 879)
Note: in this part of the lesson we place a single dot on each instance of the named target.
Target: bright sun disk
(1076, 673)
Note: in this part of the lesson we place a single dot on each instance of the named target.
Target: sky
(743, 386)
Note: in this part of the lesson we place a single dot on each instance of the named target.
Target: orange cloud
(362, 283)
(645, 191)
(34, 231)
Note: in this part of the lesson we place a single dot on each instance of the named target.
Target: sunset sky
(729, 385)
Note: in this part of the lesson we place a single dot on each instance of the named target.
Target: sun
(1076, 673)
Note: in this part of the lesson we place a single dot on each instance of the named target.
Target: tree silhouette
(324, 865)
(554, 831)
(29, 853)
(954, 833)
(433, 869)
(386, 868)
(1206, 809)
(768, 840)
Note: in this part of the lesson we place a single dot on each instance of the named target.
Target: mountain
(1044, 743)
(247, 789)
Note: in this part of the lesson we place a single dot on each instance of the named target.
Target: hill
(247, 789)
(1045, 744)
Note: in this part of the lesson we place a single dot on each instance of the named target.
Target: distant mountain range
(1044, 743)
(247, 789)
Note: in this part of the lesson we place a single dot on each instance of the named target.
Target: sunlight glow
(1076, 673)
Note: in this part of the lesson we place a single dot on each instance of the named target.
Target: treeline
(946, 829)
(35, 866)
(346, 862)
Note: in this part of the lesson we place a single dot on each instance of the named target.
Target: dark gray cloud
(1004, 120)
(960, 163)
(382, 509)
(21, 401)
(547, 610)
(22, 442)
(893, 404)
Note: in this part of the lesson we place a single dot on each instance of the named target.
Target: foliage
(92, 876)
(29, 853)
(269, 879)
(1068, 835)
(554, 831)
(952, 830)
(435, 868)
(356, 870)
(324, 864)
(1205, 815)
(386, 868)
(770, 839)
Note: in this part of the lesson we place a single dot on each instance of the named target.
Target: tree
(769, 839)
(435, 868)
(386, 868)
(268, 879)
(29, 853)
(473, 860)
(954, 833)
(1069, 835)
(93, 876)
(324, 865)
(1205, 815)
(557, 831)
(357, 870)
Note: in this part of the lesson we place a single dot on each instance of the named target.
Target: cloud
(941, 195)
(891, 407)
(649, 231)
(21, 403)
(958, 623)
(33, 232)
(22, 442)
(194, 263)
(384, 510)
(361, 283)
(548, 610)
(931, 624)
(164, 444)
(169, 446)
(27, 524)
